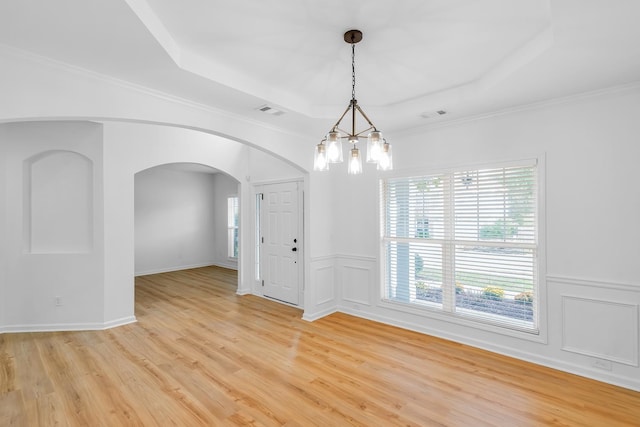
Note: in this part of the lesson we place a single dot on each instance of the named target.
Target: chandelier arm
(341, 117)
(366, 130)
(365, 117)
(339, 129)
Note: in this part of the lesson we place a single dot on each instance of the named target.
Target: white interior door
(281, 241)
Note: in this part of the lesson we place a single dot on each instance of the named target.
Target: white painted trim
(476, 323)
(311, 317)
(323, 258)
(357, 257)
(602, 284)
(182, 267)
(628, 87)
(537, 160)
(276, 181)
(120, 322)
(10, 50)
(63, 327)
(227, 265)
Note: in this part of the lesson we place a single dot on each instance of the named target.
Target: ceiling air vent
(433, 114)
(270, 110)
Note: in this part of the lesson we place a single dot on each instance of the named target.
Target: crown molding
(67, 67)
(561, 100)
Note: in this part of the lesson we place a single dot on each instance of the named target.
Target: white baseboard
(185, 267)
(119, 322)
(229, 265)
(65, 327)
(310, 317)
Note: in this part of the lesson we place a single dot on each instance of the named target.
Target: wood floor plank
(202, 355)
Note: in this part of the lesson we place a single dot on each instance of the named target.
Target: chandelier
(329, 150)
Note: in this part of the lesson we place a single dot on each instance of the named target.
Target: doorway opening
(182, 219)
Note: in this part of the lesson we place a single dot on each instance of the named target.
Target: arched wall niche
(58, 202)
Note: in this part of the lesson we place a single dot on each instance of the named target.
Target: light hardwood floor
(201, 355)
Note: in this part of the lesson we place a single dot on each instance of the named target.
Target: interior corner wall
(589, 147)
(52, 226)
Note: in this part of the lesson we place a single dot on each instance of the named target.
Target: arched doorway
(185, 216)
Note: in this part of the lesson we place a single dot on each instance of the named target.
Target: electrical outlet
(58, 301)
(602, 364)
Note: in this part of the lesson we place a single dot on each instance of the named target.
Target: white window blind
(464, 243)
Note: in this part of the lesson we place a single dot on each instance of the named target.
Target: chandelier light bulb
(320, 162)
(374, 146)
(355, 162)
(334, 147)
(385, 161)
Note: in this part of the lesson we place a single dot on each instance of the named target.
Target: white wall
(52, 244)
(178, 218)
(589, 148)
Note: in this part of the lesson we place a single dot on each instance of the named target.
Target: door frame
(259, 188)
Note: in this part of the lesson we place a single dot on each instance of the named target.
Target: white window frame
(424, 310)
(233, 212)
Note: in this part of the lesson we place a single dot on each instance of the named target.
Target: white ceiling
(467, 57)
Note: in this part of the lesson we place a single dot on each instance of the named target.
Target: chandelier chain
(353, 71)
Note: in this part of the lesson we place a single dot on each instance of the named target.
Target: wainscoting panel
(603, 329)
(357, 279)
(321, 296)
(324, 278)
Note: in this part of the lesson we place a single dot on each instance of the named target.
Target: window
(258, 236)
(464, 243)
(232, 227)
